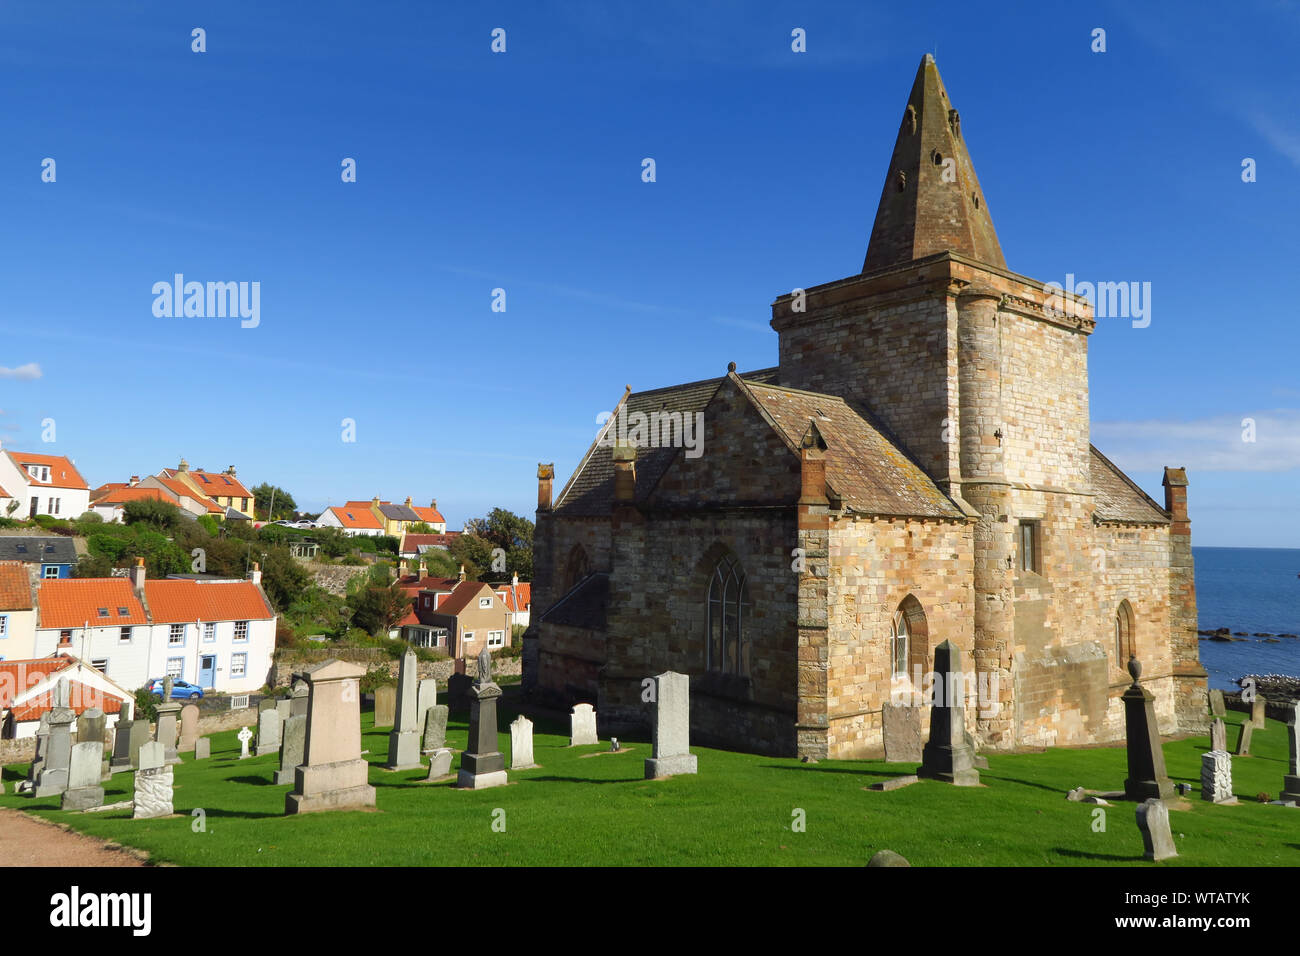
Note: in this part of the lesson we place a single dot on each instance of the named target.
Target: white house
(353, 519)
(27, 692)
(42, 485)
(17, 612)
(217, 634)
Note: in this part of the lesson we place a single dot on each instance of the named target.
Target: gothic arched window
(898, 642)
(1124, 646)
(576, 567)
(728, 613)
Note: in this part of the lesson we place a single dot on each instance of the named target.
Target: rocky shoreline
(1274, 686)
(1264, 637)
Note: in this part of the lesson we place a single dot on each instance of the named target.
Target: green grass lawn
(598, 810)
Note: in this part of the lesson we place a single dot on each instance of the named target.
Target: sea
(1256, 590)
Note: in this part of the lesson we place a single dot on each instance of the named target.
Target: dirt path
(29, 841)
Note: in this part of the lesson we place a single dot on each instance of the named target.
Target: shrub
(146, 705)
(375, 679)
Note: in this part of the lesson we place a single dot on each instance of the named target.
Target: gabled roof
(590, 490)
(460, 598)
(34, 683)
(1118, 498)
(516, 597)
(120, 496)
(19, 675)
(219, 483)
(420, 542)
(38, 550)
(180, 489)
(184, 601)
(15, 587)
(351, 516)
(429, 515)
(397, 512)
(63, 473)
(71, 602)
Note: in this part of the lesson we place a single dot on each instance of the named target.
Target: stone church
(917, 468)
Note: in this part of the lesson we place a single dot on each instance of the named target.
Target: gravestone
(521, 743)
(439, 764)
(140, 735)
(948, 754)
(458, 685)
(482, 765)
(435, 728)
(266, 703)
(202, 748)
(1244, 733)
(1219, 734)
(53, 776)
(293, 743)
(268, 732)
(385, 705)
(1147, 778)
(405, 739)
(671, 723)
(284, 707)
(244, 736)
(582, 726)
(1258, 709)
(90, 726)
(1291, 782)
(333, 774)
(42, 749)
(167, 728)
(887, 858)
(426, 697)
(121, 754)
(83, 777)
(189, 728)
(1216, 777)
(901, 731)
(1153, 821)
(1216, 703)
(153, 783)
(298, 698)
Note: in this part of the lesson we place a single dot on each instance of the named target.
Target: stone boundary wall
(1273, 709)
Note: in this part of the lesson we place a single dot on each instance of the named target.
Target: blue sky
(522, 171)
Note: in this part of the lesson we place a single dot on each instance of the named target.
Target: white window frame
(209, 632)
(496, 639)
(176, 664)
(101, 665)
(4, 626)
(125, 629)
(45, 572)
(172, 634)
(238, 665)
(244, 624)
(466, 637)
(484, 603)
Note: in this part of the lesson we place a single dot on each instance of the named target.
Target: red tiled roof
(183, 601)
(124, 494)
(63, 473)
(82, 697)
(219, 484)
(412, 541)
(352, 516)
(17, 676)
(72, 602)
(413, 586)
(430, 515)
(15, 587)
(106, 488)
(516, 597)
(178, 487)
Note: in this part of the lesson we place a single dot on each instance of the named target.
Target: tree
(378, 609)
(271, 503)
(160, 514)
(501, 534)
(440, 563)
(419, 527)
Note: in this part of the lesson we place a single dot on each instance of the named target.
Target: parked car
(181, 690)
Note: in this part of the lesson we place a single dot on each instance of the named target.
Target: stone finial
(1134, 669)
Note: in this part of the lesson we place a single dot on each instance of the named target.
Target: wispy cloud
(1221, 443)
(23, 373)
(1284, 139)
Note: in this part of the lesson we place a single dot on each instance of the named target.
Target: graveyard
(583, 805)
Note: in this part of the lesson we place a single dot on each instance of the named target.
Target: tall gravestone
(1291, 782)
(140, 735)
(482, 764)
(521, 743)
(189, 728)
(1147, 778)
(671, 734)
(426, 697)
(268, 732)
(121, 759)
(42, 749)
(901, 733)
(1153, 822)
(1216, 703)
(948, 754)
(168, 728)
(53, 776)
(84, 789)
(293, 743)
(582, 726)
(1244, 733)
(1219, 734)
(153, 783)
(333, 774)
(405, 738)
(385, 705)
(90, 726)
(435, 728)
(1216, 777)
(1259, 711)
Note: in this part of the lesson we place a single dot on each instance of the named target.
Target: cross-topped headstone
(244, 736)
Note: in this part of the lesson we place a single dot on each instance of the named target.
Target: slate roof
(38, 550)
(397, 512)
(1119, 498)
(590, 490)
(585, 605)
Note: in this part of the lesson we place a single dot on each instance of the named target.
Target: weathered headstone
(83, 776)
(268, 732)
(266, 703)
(90, 726)
(901, 730)
(435, 728)
(439, 764)
(1258, 711)
(1216, 703)
(1153, 821)
(244, 736)
(189, 728)
(293, 743)
(948, 755)
(203, 748)
(1219, 734)
(298, 698)
(582, 726)
(140, 735)
(1147, 778)
(121, 755)
(333, 774)
(385, 705)
(482, 764)
(671, 728)
(1216, 777)
(167, 727)
(404, 741)
(521, 743)
(284, 707)
(1291, 782)
(1244, 733)
(53, 775)
(426, 697)
(42, 749)
(153, 783)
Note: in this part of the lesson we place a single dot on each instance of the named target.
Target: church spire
(932, 200)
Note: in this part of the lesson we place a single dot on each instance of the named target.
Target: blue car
(181, 690)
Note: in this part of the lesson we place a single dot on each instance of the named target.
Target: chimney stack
(461, 577)
(135, 480)
(137, 575)
(255, 573)
(624, 473)
(545, 479)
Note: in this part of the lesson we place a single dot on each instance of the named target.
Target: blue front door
(207, 670)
